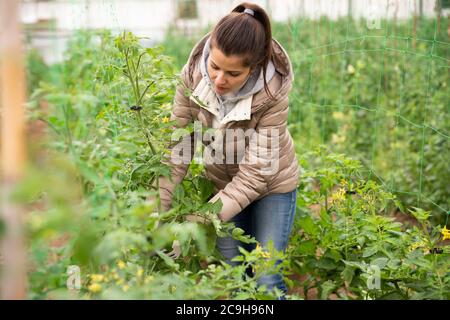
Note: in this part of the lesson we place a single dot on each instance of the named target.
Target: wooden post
(12, 150)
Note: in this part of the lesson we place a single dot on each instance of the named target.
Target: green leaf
(381, 262)
(348, 274)
(327, 287)
(420, 214)
(361, 240)
(206, 188)
(326, 263)
(393, 295)
(307, 247)
(394, 263)
(308, 225)
(114, 243)
(178, 193)
(356, 264)
(239, 234)
(369, 251)
(333, 254)
(88, 173)
(85, 244)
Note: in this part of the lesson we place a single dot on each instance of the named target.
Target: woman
(240, 79)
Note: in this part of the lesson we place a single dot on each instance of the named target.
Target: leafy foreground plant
(350, 246)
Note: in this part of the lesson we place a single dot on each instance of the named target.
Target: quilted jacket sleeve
(262, 160)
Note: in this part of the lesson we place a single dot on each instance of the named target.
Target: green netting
(378, 95)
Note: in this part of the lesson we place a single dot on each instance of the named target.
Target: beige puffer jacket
(267, 165)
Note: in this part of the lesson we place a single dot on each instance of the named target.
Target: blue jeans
(269, 218)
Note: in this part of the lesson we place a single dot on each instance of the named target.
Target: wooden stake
(12, 149)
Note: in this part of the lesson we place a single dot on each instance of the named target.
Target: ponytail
(246, 33)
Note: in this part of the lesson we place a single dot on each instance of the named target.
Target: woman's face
(226, 72)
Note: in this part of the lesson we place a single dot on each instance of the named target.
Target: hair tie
(250, 12)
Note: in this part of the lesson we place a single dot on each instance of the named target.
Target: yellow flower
(148, 279)
(338, 115)
(140, 272)
(95, 287)
(121, 264)
(338, 195)
(165, 119)
(336, 138)
(350, 69)
(97, 277)
(262, 253)
(445, 233)
(415, 245)
(125, 288)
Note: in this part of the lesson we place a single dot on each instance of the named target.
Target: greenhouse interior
(115, 120)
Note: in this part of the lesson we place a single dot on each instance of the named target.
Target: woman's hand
(176, 250)
(176, 247)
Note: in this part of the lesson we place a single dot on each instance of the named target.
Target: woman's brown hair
(240, 33)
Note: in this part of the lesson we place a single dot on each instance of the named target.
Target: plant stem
(400, 290)
(66, 120)
(145, 91)
(145, 133)
(129, 76)
(136, 79)
(139, 60)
